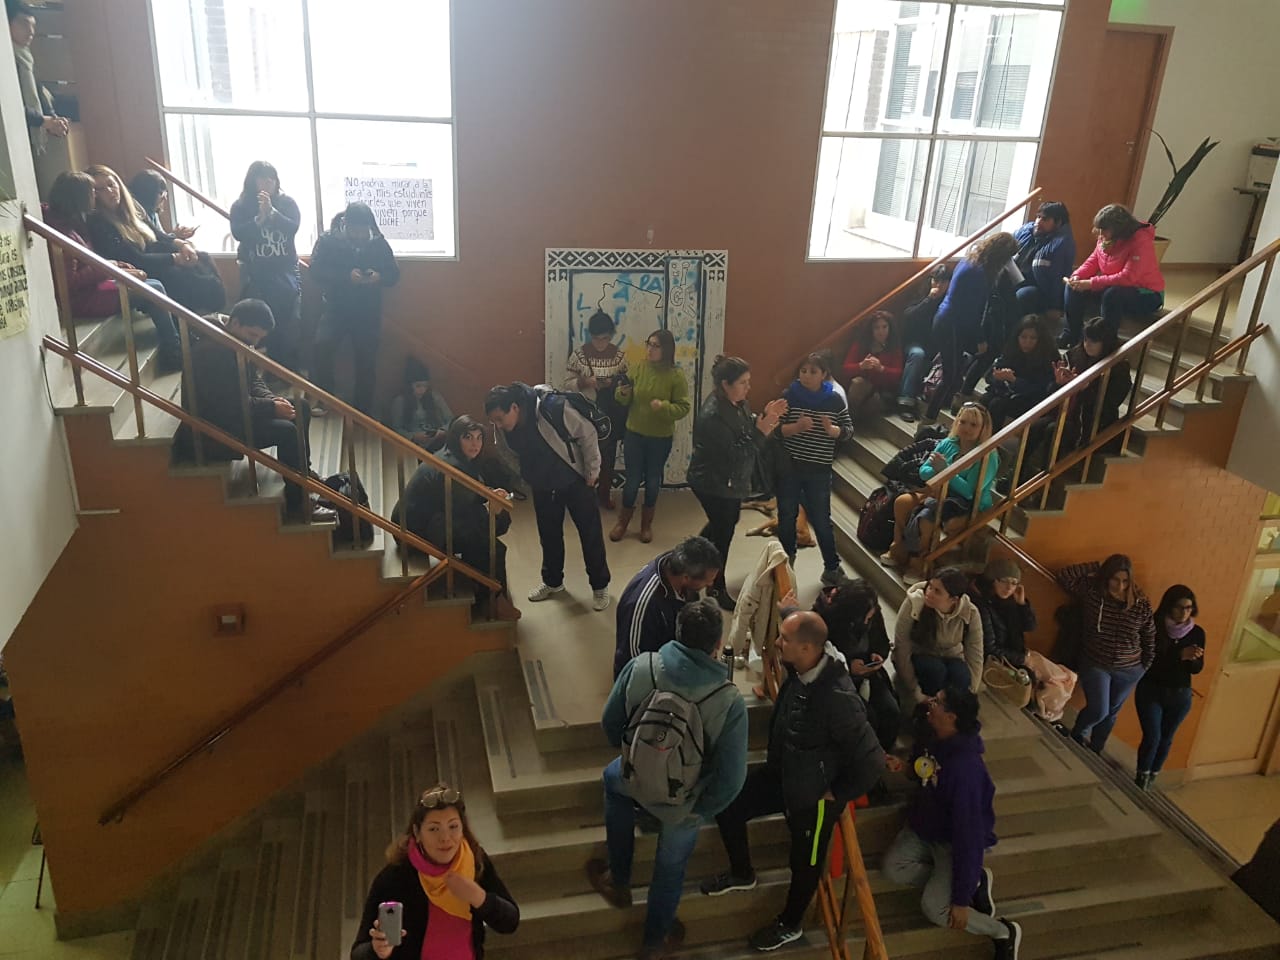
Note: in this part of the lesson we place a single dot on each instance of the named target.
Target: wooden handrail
(177, 181)
(1127, 349)
(1025, 559)
(116, 811)
(212, 331)
(842, 331)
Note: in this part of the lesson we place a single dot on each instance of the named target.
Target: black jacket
(109, 243)
(267, 250)
(1168, 669)
(333, 259)
(218, 398)
(1080, 421)
(1005, 625)
(423, 505)
(399, 882)
(820, 740)
(726, 450)
(917, 323)
(905, 466)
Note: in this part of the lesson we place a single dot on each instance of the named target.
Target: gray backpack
(663, 746)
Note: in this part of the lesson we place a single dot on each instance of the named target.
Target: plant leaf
(1173, 164)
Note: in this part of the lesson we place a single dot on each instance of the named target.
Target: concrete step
(273, 900)
(105, 343)
(189, 922)
(316, 929)
(227, 936)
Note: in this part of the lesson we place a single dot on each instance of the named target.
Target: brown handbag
(1007, 682)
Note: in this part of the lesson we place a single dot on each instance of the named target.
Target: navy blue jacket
(1046, 260)
(964, 306)
(646, 615)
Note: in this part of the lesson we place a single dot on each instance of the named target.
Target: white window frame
(933, 135)
(312, 116)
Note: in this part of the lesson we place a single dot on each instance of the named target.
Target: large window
(349, 101)
(932, 122)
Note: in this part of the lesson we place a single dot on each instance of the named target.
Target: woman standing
(957, 326)
(1163, 697)
(873, 366)
(423, 509)
(597, 369)
(657, 397)
(938, 637)
(1118, 644)
(1121, 277)
(265, 221)
(446, 883)
(727, 439)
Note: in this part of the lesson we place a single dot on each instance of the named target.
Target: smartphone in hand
(391, 918)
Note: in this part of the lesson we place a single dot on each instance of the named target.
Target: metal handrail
(115, 812)
(843, 331)
(177, 181)
(1098, 377)
(212, 331)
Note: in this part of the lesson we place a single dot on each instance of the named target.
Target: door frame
(1164, 36)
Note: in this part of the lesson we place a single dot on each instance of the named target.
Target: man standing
(42, 122)
(1046, 254)
(648, 607)
(560, 460)
(822, 755)
(950, 823)
(685, 677)
(275, 421)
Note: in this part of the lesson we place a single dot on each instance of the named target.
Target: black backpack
(875, 522)
(553, 413)
(345, 532)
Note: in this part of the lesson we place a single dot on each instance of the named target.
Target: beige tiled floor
(1235, 811)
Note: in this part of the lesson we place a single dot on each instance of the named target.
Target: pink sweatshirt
(1125, 263)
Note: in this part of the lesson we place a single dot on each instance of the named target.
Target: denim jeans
(1105, 691)
(646, 459)
(807, 484)
(912, 862)
(914, 366)
(1161, 710)
(1113, 304)
(675, 847)
(1030, 299)
(935, 673)
(168, 343)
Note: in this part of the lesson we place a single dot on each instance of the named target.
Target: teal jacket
(965, 484)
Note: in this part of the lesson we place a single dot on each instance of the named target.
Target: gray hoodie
(959, 635)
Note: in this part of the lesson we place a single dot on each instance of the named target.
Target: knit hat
(1001, 569)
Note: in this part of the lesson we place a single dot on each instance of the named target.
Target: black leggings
(722, 518)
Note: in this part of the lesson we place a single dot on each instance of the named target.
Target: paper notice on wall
(403, 205)
(15, 308)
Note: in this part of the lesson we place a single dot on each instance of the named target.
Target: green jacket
(649, 383)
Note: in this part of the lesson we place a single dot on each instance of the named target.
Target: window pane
(403, 170)
(868, 198)
(409, 76)
(881, 51)
(999, 71)
(971, 182)
(212, 153)
(245, 54)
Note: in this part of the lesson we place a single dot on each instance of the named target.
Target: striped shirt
(1115, 637)
(815, 445)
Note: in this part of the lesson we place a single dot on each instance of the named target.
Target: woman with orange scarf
(447, 886)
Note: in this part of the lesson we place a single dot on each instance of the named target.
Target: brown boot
(646, 524)
(624, 520)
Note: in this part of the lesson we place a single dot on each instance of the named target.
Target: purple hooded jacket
(957, 808)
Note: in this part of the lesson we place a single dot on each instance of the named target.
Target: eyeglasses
(1011, 581)
(653, 343)
(439, 797)
(1184, 606)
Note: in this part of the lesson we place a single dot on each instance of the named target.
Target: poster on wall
(642, 290)
(15, 308)
(403, 206)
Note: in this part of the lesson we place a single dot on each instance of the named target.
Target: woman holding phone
(441, 884)
(1163, 696)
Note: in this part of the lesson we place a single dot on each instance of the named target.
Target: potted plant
(1181, 174)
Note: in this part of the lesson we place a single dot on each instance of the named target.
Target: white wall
(37, 508)
(1221, 81)
(1255, 453)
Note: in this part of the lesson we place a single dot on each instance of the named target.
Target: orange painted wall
(1182, 518)
(116, 667)
(587, 122)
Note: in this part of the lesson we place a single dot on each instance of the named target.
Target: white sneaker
(542, 591)
(599, 599)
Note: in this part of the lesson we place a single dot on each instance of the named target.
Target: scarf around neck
(431, 876)
(803, 397)
(1177, 631)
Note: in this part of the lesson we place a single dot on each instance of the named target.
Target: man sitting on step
(648, 606)
(822, 755)
(950, 823)
(275, 421)
(682, 728)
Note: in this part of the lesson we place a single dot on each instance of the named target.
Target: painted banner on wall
(643, 290)
(15, 308)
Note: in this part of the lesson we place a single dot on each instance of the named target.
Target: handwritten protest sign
(14, 306)
(403, 205)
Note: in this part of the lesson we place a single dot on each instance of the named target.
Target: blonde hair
(127, 217)
(983, 414)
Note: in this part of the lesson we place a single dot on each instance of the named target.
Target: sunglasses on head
(439, 797)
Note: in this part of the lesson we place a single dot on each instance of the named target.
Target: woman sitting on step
(938, 637)
(873, 367)
(423, 509)
(446, 884)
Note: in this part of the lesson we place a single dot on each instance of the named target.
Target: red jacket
(93, 293)
(1125, 263)
(887, 379)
